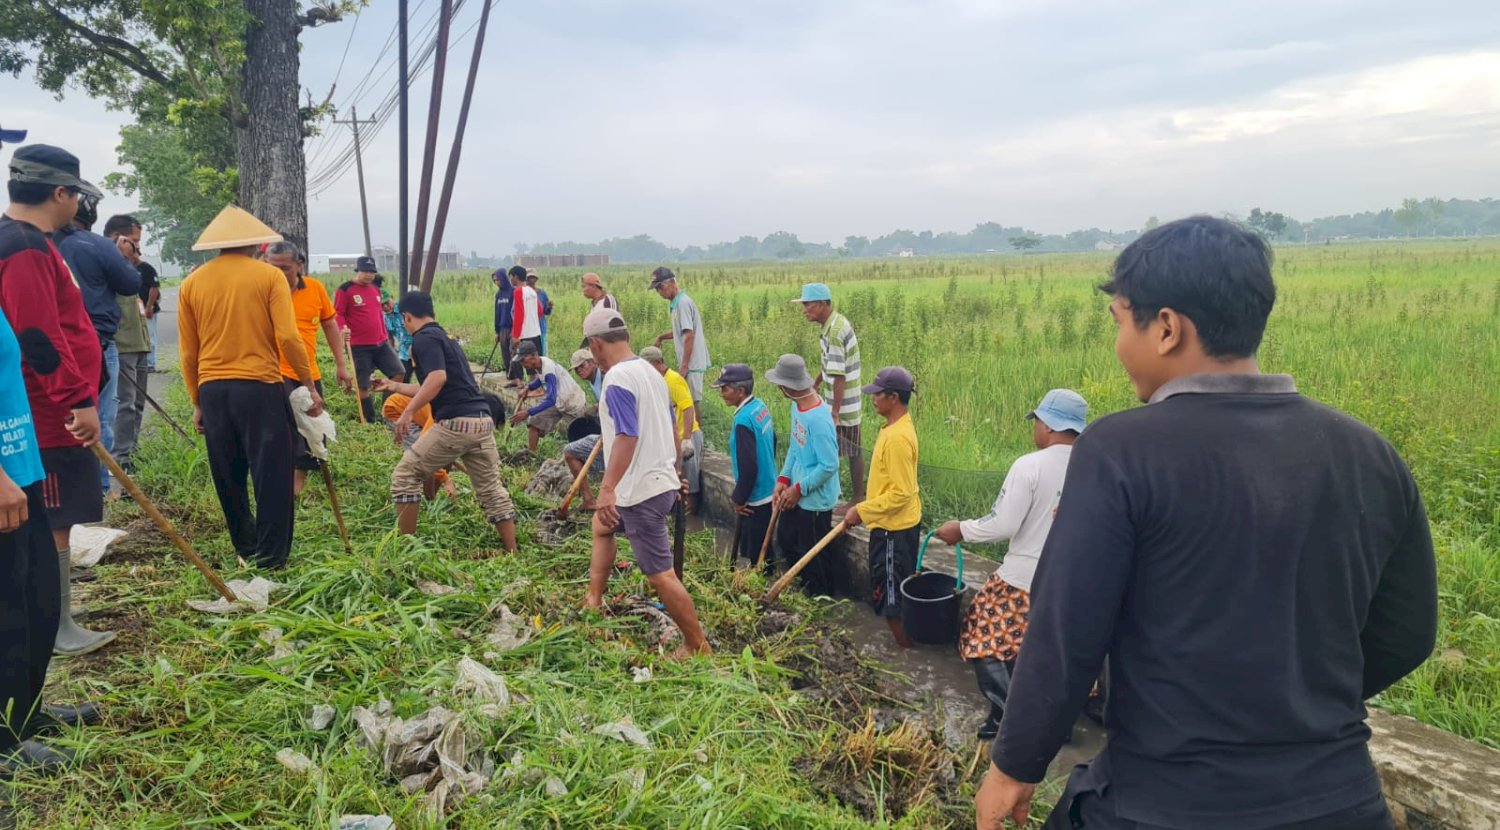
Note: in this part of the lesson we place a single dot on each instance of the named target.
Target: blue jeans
(108, 406)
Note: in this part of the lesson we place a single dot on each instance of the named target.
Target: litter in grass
(624, 730)
(478, 681)
(254, 595)
(428, 753)
(640, 674)
(276, 639)
(433, 589)
(365, 823)
(555, 788)
(87, 545)
(508, 632)
(634, 778)
(295, 761)
(552, 481)
(322, 717)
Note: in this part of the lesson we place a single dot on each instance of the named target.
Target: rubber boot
(994, 683)
(72, 639)
(368, 406)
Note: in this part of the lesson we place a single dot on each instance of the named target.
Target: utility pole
(359, 166)
(404, 81)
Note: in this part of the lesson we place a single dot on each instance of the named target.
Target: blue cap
(1062, 409)
(12, 136)
(734, 373)
(815, 292)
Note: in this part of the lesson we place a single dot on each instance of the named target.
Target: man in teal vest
(752, 451)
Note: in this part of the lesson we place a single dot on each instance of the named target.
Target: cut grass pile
(775, 730)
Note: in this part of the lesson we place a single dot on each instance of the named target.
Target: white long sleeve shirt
(1023, 512)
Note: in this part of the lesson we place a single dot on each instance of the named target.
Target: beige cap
(652, 354)
(602, 321)
(580, 357)
(593, 279)
(234, 228)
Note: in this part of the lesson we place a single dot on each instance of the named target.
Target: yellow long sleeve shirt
(234, 321)
(893, 501)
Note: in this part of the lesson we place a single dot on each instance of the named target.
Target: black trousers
(993, 677)
(248, 427)
(513, 364)
(504, 354)
(302, 460)
(796, 533)
(753, 532)
(30, 601)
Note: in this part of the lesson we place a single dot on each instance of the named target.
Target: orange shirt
(312, 308)
(396, 404)
(233, 315)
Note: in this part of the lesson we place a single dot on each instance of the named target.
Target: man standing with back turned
(1255, 565)
(234, 323)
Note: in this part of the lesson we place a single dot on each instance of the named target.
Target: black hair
(30, 194)
(497, 407)
(417, 304)
(121, 224)
(904, 396)
(747, 385)
(1212, 271)
(616, 336)
(516, 271)
(378, 282)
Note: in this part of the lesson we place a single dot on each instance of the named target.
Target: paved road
(166, 349)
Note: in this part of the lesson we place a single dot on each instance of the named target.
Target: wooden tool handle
(333, 499)
(786, 578)
(562, 509)
(161, 521)
(765, 546)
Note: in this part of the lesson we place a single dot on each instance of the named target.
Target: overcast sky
(702, 120)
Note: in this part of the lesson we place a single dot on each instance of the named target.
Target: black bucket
(930, 602)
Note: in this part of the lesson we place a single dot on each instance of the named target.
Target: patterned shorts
(996, 622)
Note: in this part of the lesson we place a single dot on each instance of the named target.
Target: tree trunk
(268, 137)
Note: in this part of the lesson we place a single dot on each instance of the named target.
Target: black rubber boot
(994, 683)
(33, 758)
(51, 720)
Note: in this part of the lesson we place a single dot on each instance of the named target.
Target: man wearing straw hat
(808, 487)
(996, 622)
(234, 323)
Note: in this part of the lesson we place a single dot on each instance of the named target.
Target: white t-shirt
(570, 397)
(635, 402)
(531, 323)
(1023, 512)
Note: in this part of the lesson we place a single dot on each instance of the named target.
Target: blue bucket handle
(958, 548)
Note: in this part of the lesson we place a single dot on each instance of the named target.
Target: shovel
(156, 406)
(562, 509)
(333, 499)
(161, 521)
(487, 363)
(679, 533)
(786, 578)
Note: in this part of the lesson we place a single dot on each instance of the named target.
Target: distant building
(1106, 245)
(562, 260)
(385, 260)
(905, 252)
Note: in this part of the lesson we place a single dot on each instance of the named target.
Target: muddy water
(935, 678)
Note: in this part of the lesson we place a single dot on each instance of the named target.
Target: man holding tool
(234, 328)
(808, 487)
(752, 456)
(463, 428)
(561, 398)
(641, 480)
(362, 323)
(893, 507)
(578, 451)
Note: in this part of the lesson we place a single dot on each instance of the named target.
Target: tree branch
(127, 53)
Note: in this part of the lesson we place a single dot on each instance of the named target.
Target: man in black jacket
(1255, 565)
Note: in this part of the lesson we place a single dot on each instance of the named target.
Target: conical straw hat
(234, 228)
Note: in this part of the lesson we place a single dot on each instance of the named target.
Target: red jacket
(60, 354)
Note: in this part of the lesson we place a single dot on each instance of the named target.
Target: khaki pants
(471, 440)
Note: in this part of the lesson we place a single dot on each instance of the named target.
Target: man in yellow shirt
(893, 505)
(689, 436)
(312, 309)
(234, 324)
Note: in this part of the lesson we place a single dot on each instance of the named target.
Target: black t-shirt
(1255, 565)
(432, 351)
(149, 280)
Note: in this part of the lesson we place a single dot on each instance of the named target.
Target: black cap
(365, 263)
(45, 164)
(734, 373)
(527, 349)
(661, 275)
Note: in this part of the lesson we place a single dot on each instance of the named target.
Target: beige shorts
(471, 440)
(550, 419)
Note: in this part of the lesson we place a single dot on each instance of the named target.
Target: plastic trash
(87, 545)
(623, 730)
(254, 595)
(319, 431)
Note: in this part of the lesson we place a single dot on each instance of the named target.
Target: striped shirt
(841, 357)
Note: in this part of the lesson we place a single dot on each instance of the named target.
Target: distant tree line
(1414, 218)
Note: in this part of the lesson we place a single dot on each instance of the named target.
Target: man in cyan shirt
(234, 326)
(641, 480)
(362, 321)
(996, 623)
(808, 487)
(1255, 565)
(561, 398)
(752, 456)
